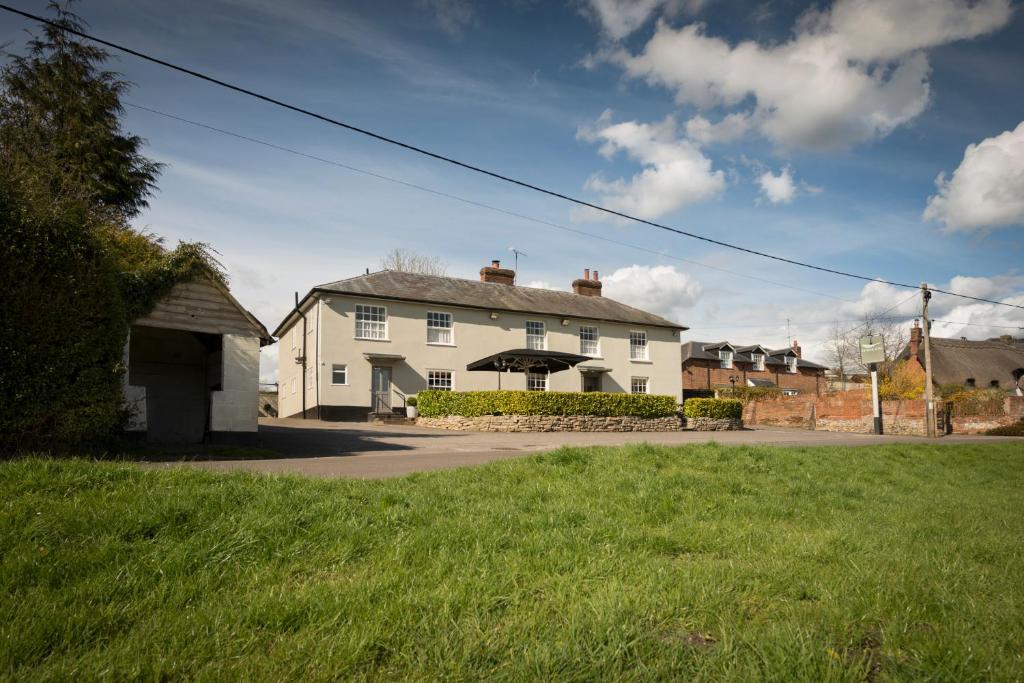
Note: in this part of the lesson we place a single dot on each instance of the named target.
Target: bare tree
(893, 332)
(841, 351)
(409, 261)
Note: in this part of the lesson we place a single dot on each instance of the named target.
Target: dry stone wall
(711, 424)
(552, 423)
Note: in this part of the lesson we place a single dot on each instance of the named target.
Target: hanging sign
(872, 350)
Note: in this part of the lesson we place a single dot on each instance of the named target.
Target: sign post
(872, 352)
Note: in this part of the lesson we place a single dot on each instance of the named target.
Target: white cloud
(543, 284)
(676, 172)
(778, 189)
(729, 129)
(986, 190)
(850, 74)
(619, 18)
(659, 289)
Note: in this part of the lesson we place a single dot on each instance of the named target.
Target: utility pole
(928, 398)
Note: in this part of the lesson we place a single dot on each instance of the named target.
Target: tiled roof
(433, 289)
(696, 350)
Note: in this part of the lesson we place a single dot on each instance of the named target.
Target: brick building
(714, 365)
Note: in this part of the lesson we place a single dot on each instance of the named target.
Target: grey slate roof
(433, 289)
(696, 350)
(955, 360)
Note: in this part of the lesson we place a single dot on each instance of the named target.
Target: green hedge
(716, 408)
(475, 403)
(748, 394)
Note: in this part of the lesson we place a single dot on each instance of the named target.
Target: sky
(879, 137)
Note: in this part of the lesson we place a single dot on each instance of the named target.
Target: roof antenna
(517, 255)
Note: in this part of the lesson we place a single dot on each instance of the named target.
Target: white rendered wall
(235, 407)
(134, 397)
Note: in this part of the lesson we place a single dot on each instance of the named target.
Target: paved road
(348, 449)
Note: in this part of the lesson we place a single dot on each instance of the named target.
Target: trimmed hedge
(715, 408)
(476, 403)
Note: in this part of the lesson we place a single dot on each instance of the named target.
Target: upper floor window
(725, 359)
(791, 362)
(536, 381)
(371, 322)
(758, 359)
(439, 328)
(589, 341)
(638, 385)
(439, 380)
(535, 335)
(638, 345)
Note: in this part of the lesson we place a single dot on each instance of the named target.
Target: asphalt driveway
(351, 449)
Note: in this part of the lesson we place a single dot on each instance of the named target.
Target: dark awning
(528, 360)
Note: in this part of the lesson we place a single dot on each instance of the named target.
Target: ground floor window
(439, 380)
(638, 385)
(536, 381)
(339, 374)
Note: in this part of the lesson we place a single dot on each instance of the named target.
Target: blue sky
(814, 132)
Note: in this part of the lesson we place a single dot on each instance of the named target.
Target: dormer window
(725, 359)
(758, 361)
(970, 383)
(791, 362)
(994, 384)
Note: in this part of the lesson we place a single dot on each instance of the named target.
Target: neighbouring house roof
(696, 350)
(956, 360)
(450, 291)
(760, 382)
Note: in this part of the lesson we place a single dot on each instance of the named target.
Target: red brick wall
(707, 374)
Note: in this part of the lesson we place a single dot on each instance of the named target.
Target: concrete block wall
(233, 408)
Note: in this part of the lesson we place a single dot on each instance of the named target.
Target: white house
(366, 343)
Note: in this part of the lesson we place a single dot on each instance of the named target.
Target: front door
(381, 390)
(591, 382)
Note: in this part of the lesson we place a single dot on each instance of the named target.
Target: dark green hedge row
(475, 403)
(716, 408)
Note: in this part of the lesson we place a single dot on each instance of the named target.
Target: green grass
(712, 563)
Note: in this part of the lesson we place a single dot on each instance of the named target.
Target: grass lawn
(708, 562)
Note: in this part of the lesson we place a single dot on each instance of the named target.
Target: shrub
(475, 403)
(411, 401)
(715, 408)
(1016, 429)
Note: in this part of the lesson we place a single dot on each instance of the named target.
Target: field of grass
(709, 562)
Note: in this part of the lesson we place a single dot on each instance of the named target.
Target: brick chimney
(916, 336)
(586, 286)
(495, 273)
(796, 349)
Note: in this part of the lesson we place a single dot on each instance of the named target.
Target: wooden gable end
(201, 306)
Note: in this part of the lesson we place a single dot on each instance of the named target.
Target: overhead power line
(470, 167)
(473, 202)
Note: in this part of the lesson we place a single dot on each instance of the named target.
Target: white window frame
(432, 375)
(293, 385)
(344, 369)
(725, 359)
(440, 315)
(791, 364)
(633, 381)
(595, 339)
(540, 378)
(384, 322)
(645, 356)
(758, 361)
(295, 336)
(531, 338)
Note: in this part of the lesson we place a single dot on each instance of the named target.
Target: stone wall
(711, 424)
(552, 423)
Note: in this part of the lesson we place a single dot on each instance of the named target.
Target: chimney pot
(495, 263)
(596, 278)
(586, 273)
